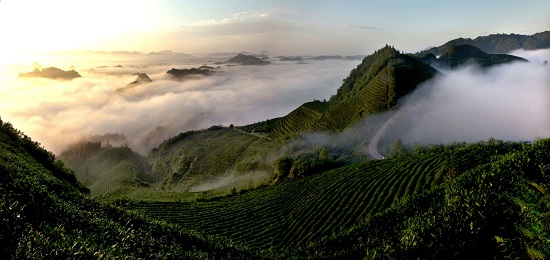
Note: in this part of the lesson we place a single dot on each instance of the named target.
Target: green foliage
(107, 170)
(488, 200)
(495, 209)
(282, 167)
(295, 213)
(397, 149)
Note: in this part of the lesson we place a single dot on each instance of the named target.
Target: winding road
(372, 148)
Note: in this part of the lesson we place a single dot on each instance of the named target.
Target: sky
(282, 27)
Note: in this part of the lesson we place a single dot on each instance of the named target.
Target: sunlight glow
(68, 25)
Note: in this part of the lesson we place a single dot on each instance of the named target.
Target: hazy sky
(282, 27)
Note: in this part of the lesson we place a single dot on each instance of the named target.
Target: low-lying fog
(58, 113)
(506, 102)
(509, 102)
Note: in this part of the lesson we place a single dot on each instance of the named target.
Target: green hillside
(489, 199)
(176, 167)
(105, 170)
(46, 213)
(374, 86)
(185, 160)
(497, 209)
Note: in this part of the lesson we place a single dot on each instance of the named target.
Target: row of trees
(305, 164)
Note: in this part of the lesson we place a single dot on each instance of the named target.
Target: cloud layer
(508, 102)
(57, 113)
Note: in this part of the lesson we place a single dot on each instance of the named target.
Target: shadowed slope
(45, 214)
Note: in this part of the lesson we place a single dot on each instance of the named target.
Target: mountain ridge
(497, 43)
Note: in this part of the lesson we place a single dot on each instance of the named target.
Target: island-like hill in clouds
(51, 73)
(468, 54)
(244, 59)
(498, 43)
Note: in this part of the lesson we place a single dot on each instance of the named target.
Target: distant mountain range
(498, 43)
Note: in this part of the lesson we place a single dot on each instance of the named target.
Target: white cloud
(56, 113)
(508, 102)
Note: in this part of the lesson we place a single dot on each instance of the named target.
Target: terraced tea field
(295, 212)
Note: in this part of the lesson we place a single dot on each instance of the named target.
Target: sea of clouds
(58, 113)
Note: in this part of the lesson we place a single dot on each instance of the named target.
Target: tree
(397, 149)
(324, 156)
(282, 167)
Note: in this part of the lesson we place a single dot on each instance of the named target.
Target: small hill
(465, 53)
(142, 78)
(247, 60)
(327, 57)
(36, 66)
(181, 74)
(107, 170)
(51, 73)
(290, 58)
(498, 43)
(178, 164)
(201, 156)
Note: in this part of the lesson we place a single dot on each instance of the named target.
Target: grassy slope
(500, 208)
(479, 200)
(175, 166)
(45, 214)
(296, 213)
(207, 155)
